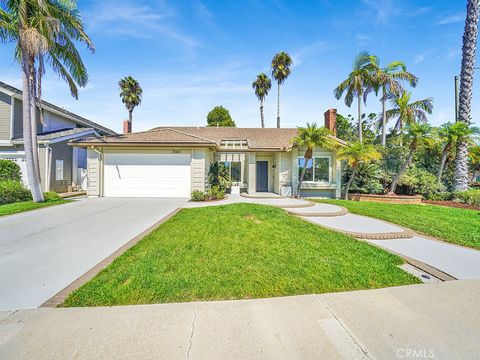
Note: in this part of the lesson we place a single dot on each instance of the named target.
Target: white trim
(8, 92)
(330, 169)
(5, 142)
(73, 136)
(13, 153)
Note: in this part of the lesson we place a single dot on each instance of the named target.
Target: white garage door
(147, 175)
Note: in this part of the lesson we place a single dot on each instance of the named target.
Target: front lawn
(239, 251)
(18, 207)
(458, 226)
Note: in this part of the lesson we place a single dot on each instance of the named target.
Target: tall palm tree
(355, 154)
(355, 84)
(131, 94)
(281, 64)
(387, 79)
(406, 112)
(417, 134)
(262, 86)
(466, 85)
(450, 135)
(311, 137)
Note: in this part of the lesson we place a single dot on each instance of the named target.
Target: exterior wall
(56, 122)
(209, 159)
(251, 173)
(276, 172)
(17, 118)
(93, 170)
(198, 169)
(42, 164)
(61, 151)
(5, 116)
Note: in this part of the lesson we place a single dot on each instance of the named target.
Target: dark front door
(262, 175)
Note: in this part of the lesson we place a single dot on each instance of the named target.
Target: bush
(51, 196)
(198, 195)
(441, 196)
(215, 193)
(420, 181)
(9, 170)
(470, 197)
(367, 179)
(13, 191)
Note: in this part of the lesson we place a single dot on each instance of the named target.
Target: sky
(190, 56)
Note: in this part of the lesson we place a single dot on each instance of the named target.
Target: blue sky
(192, 55)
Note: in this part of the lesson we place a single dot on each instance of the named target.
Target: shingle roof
(257, 138)
(52, 135)
(47, 104)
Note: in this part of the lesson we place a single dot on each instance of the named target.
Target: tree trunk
(33, 180)
(262, 121)
(359, 109)
(302, 175)
(407, 162)
(130, 117)
(384, 117)
(466, 85)
(278, 105)
(33, 115)
(442, 164)
(349, 183)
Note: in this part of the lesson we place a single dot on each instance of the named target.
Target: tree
(387, 80)
(281, 64)
(355, 154)
(262, 86)
(219, 176)
(474, 160)
(406, 112)
(466, 86)
(355, 84)
(311, 137)
(219, 116)
(131, 94)
(41, 30)
(450, 135)
(417, 134)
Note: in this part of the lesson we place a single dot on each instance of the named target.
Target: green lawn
(238, 251)
(458, 226)
(18, 207)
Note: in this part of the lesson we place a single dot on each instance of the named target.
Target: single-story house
(61, 166)
(173, 161)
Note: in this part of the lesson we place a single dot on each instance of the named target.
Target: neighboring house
(173, 161)
(60, 165)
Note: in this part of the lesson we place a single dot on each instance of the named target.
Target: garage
(147, 175)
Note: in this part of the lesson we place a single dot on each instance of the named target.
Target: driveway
(43, 251)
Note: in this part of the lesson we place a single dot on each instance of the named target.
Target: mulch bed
(452, 204)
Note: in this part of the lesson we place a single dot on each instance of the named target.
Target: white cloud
(383, 9)
(303, 52)
(451, 19)
(362, 39)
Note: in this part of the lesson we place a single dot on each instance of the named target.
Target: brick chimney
(331, 120)
(127, 127)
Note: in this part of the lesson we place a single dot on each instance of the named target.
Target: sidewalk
(441, 320)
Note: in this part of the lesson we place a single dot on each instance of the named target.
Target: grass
(19, 207)
(238, 251)
(454, 225)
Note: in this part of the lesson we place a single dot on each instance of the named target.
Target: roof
(257, 138)
(57, 134)
(56, 108)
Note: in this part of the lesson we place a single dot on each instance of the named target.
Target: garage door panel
(147, 175)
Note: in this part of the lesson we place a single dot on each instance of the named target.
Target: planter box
(389, 199)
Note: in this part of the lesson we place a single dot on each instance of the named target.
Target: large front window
(316, 169)
(234, 170)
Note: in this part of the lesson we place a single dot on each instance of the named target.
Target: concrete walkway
(455, 261)
(439, 321)
(43, 251)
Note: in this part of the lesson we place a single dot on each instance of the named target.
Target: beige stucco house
(173, 161)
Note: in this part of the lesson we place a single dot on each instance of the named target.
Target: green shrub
(470, 197)
(441, 196)
(9, 170)
(219, 175)
(51, 196)
(198, 195)
(367, 179)
(215, 193)
(13, 191)
(420, 181)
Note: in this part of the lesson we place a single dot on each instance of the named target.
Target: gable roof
(60, 135)
(49, 106)
(257, 138)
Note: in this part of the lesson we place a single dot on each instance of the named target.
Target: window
(58, 169)
(233, 144)
(234, 170)
(317, 169)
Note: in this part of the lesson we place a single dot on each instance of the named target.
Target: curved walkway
(455, 261)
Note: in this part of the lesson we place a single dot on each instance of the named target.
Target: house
(60, 165)
(173, 161)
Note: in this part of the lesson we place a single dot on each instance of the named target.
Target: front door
(262, 176)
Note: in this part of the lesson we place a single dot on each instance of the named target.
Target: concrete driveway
(43, 251)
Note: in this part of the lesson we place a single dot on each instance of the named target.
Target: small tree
(311, 137)
(218, 175)
(219, 116)
(356, 154)
(474, 161)
(9, 171)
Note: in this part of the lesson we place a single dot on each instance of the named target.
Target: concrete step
(319, 210)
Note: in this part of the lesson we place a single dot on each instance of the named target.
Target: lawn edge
(50, 204)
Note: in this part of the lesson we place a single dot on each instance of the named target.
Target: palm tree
(387, 80)
(131, 94)
(406, 112)
(355, 154)
(281, 64)
(466, 85)
(311, 137)
(262, 86)
(417, 134)
(450, 135)
(358, 80)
